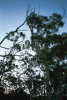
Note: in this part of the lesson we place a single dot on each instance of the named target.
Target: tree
(49, 58)
(51, 51)
(9, 60)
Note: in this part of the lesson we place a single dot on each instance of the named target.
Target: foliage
(42, 59)
(51, 51)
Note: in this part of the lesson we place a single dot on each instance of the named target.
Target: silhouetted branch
(12, 31)
(4, 47)
(20, 25)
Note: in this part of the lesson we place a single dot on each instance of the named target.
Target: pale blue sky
(12, 12)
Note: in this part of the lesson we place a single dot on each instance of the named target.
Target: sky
(13, 12)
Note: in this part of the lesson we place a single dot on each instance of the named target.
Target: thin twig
(7, 55)
(20, 25)
(4, 47)
(13, 31)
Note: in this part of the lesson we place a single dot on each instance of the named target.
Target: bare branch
(3, 39)
(7, 55)
(20, 25)
(12, 31)
(4, 47)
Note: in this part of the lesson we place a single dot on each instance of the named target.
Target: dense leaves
(51, 51)
(38, 65)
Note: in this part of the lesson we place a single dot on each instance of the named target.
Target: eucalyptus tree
(51, 51)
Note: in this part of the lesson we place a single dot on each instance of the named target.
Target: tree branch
(4, 47)
(13, 31)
